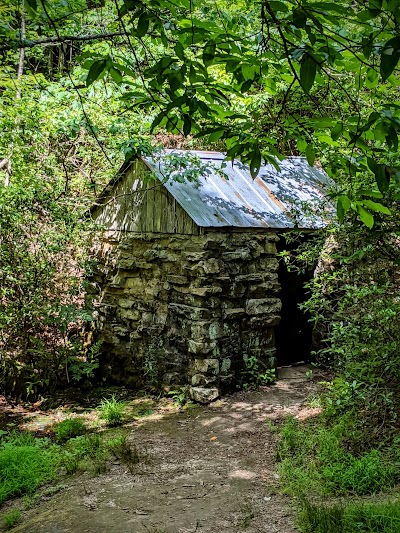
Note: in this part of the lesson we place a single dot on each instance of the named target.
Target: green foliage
(11, 518)
(86, 452)
(124, 451)
(67, 429)
(112, 411)
(25, 464)
(314, 460)
(257, 373)
(180, 396)
(381, 517)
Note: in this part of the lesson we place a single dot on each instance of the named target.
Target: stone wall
(185, 309)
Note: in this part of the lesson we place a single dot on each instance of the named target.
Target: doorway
(293, 335)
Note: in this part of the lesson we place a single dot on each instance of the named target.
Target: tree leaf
(209, 53)
(255, 163)
(31, 7)
(310, 154)
(115, 74)
(179, 50)
(336, 131)
(390, 55)
(96, 70)
(375, 206)
(143, 25)
(308, 71)
(365, 216)
(381, 173)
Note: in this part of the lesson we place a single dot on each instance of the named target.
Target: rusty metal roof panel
(295, 196)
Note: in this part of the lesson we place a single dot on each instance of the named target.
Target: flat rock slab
(210, 469)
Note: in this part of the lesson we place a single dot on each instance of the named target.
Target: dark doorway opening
(293, 335)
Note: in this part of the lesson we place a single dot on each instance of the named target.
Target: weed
(180, 396)
(86, 452)
(247, 515)
(67, 429)
(257, 373)
(123, 451)
(11, 518)
(314, 401)
(26, 463)
(112, 411)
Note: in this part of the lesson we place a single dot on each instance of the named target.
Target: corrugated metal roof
(295, 196)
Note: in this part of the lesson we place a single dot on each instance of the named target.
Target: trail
(209, 469)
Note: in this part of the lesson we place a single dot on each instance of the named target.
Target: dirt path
(209, 470)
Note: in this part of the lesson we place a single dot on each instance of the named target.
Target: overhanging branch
(26, 43)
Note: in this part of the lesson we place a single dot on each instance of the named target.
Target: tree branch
(26, 43)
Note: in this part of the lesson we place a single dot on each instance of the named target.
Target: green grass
(381, 517)
(86, 452)
(112, 411)
(314, 459)
(67, 429)
(11, 518)
(26, 463)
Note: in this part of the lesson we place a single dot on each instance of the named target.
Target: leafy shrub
(112, 411)
(72, 427)
(11, 518)
(25, 464)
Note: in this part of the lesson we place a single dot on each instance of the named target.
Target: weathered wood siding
(141, 205)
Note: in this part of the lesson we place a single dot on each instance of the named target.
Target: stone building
(187, 285)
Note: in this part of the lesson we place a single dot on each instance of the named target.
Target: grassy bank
(337, 489)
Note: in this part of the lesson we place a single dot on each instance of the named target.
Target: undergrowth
(28, 462)
(314, 459)
(71, 427)
(350, 518)
(112, 411)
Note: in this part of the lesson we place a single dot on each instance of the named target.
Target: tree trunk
(20, 69)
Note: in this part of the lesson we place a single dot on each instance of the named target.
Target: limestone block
(234, 312)
(171, 378)
(263, 306)
(259, 276)
(211, 266)
(200, 331)
(117, 281)
(126, 303)
(225, 365)
(134, 285)
(235, 290)
(261, 289)
(192, 313)
(204, 366)
(202, 380)
(199, 347)
(177, 280)
(215, 330)
(241, 254)
(203, 395)
(204, 291)
(194, 256)
(129, 314)
(198, 379)
(266, 320)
